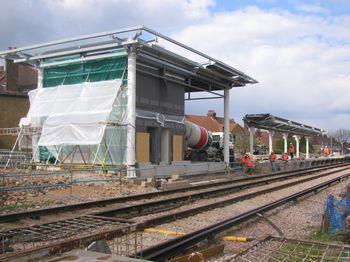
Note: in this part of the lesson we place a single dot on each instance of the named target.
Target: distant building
(15, 82)
(216, 124)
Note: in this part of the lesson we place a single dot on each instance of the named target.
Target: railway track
(179, 245)
(171, 203)
(230, 185)
(52, 232)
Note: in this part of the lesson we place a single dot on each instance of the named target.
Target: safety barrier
(15, 159)
(69, 177)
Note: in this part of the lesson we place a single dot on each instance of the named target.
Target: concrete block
(175, 177)
(176, 184)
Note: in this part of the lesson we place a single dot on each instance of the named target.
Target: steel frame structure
(279, 124)
(212, 66)
(210, 76)
(274, 124)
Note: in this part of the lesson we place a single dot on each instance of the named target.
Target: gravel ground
(92, 192)
(82, 194)
(202, 202)
(88, 191)
(295, 221)
(213, 216)
(15, 201)
(23, 200)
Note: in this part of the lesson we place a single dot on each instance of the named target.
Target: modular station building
(118, 98)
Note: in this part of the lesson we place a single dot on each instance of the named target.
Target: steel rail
(172, 247)
(151, 207)
(98, 203)
(70, 243)
(185, 213)
(165, 204)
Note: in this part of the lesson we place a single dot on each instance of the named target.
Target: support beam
(131, 112)
(285, 148)
(35, 123)
(271, 133)
(226, 125)
(297, 139)
(307, 147)
(251, 139)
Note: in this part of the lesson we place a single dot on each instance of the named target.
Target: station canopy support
(281, 125)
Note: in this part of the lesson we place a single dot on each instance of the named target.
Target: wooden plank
(177, 148)
(202, 255)
(142, 147)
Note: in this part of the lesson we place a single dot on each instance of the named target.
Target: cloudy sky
(299, 51)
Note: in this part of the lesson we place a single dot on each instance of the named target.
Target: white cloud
(312, 8)
(33, 21)
(301, 62)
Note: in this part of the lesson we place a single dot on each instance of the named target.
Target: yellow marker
(163, 231)
(237, 239)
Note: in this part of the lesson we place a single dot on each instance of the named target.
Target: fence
(15, 159)
(67, 177)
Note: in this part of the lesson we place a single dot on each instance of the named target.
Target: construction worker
(326, 151)
(273, 158)
(248, 163)
(291, 150)
(285, 157)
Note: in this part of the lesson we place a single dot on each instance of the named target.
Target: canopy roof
(155, 52)
(275, 123)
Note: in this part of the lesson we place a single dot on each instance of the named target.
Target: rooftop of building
(279, 124)
(196, 70)
(212, 122)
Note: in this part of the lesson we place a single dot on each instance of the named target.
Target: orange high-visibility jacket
(291, 148)
(273, 157)
(285, 157)
(326, 150)
(248, 161)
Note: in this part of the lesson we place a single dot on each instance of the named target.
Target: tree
(342, 136)
(241, 143)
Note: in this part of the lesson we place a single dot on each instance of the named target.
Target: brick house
(15, 82)
(216, 124)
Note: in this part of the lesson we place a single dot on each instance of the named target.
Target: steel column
(131, 112)
(226, 125)
(271, 141)
(35, 123)
(297, 138)
(307, 147)
(251, 139)
(285, 137)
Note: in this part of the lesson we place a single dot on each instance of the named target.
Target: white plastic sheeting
(75, 119)
(76, 114)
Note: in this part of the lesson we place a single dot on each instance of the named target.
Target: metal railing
(15, 159)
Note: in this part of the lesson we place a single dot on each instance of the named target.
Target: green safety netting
(89, 71)
(45, 155)
(112, 149)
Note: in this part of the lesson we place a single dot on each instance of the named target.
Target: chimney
(11, 73)
(212, 113)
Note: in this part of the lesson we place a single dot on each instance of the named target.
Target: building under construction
(118, 97)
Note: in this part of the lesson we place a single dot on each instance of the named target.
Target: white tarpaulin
(73, 114)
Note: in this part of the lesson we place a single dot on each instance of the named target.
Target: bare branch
(342, 136)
